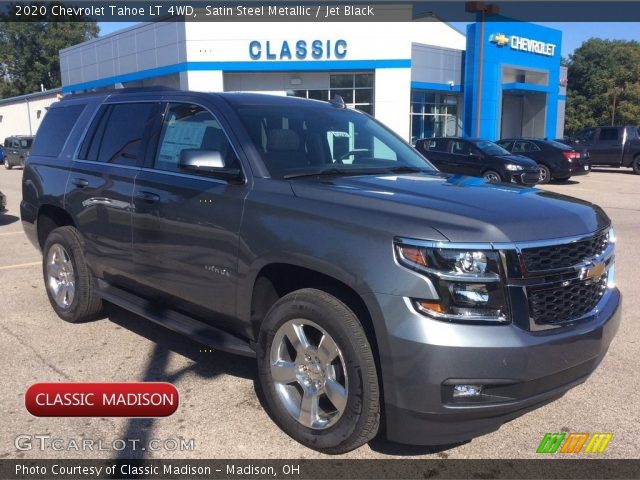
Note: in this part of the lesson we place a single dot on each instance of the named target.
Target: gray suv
(16, 150)
(371, 288)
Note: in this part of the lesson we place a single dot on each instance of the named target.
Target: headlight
(513, 167)
(468, 281)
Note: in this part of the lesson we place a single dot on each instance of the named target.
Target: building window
(356, 89)
(434, 114)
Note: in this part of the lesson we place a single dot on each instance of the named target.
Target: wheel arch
(49, 218)
(274, 280)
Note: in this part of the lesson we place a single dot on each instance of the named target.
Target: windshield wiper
(327, 171)
(405, 169)
(354, 171)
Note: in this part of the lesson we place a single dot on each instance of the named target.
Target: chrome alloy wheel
(61, 280)
(492, 177)
(309, 374)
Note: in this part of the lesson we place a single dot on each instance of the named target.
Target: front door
(185, 225)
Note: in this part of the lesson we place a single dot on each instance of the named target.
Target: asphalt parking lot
(219, 408)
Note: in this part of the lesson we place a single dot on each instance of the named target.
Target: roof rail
(112, 91)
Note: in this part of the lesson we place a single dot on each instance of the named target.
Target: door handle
(148, 197)
(80, 182)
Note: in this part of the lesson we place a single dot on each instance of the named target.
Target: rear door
(607, 149)
(186, 225)
(100, 186)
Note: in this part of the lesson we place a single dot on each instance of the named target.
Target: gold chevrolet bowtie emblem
(592, 271)
(500, 39)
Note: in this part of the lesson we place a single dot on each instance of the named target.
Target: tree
(29, 54)
(603, 73)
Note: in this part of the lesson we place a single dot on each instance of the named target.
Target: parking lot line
(11, 233)
(19, 265)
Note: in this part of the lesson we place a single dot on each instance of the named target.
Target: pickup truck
(375, 292)
(611, 146)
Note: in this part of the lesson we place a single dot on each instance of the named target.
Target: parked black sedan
(478, 158)
(556, 160)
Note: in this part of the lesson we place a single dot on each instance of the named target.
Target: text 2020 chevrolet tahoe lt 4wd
(369, 286)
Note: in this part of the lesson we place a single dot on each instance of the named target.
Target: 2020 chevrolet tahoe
(370, 287)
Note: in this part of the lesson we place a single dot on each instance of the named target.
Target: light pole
(483, 9)
(616, 91)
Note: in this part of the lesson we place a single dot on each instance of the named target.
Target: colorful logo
(574, 442)
(499, 39)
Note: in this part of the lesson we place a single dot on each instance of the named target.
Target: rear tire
(69, 283)
(492, 176)
(545, 175)
(318, 373)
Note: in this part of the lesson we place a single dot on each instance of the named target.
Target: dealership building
(421, 78)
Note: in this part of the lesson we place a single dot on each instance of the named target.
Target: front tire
(69, 283)
(7, 164)
(492, 176)
(636, 165)
(318, 373)
(545, 175)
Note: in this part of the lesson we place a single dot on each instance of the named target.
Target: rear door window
(55, 129)
(506, 144)
(116, 134)
(524, 147)
(609, 134)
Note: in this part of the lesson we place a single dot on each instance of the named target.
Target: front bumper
(521, 370)
(528, 177)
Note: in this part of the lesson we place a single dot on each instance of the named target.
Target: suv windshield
(26, 142)
(311, 140)
(491, 148)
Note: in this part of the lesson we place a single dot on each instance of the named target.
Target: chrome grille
(564, 303)
(555, 257)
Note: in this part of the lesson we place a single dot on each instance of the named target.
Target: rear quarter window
(55, 128)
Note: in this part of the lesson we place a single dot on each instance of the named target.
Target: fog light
(466, 391)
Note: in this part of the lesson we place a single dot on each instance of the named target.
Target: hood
(526, 162)
(463, 209)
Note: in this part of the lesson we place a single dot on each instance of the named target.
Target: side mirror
(207, 162)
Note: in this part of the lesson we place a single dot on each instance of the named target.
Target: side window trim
(99, 129)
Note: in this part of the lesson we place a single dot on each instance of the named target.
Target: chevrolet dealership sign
(524, 44)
